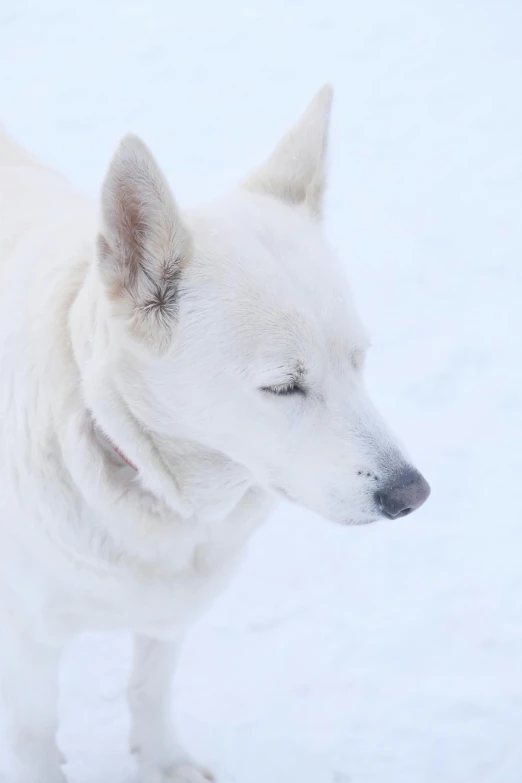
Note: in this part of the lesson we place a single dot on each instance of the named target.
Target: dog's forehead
(273, 262)
(258, 243)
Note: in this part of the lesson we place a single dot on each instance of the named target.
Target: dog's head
(235, 329)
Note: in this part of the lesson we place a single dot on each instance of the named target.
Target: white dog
(165, 377)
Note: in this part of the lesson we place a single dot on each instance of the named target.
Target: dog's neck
(192, 480)
(173, 477)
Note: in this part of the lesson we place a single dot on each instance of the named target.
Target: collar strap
(122, 456)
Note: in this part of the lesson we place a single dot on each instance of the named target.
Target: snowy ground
(390, 654)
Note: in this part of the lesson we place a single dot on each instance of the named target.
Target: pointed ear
(296, 170)
(143, 245)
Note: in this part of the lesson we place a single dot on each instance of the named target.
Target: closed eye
(358, 359)
(285, 389)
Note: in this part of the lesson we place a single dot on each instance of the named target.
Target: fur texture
(221, 353)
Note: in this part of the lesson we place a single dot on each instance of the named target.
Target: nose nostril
(390, 510)
(405, 494)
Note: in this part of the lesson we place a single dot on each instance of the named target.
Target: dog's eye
(285, 389)
(357, 359)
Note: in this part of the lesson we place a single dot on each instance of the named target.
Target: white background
(389, 654)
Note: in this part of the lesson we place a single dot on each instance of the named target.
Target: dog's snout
(405, 493)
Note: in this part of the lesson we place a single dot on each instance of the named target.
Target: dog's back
(12, 153)
(34, 200)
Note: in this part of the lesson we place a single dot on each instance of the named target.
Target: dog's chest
(155, 594)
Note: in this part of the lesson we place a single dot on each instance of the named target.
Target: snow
(391, 653)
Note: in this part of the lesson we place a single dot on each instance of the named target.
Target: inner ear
(143, 245)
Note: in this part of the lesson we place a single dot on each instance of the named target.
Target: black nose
(404, 494)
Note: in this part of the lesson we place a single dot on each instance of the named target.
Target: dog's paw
(179, 773)
(189, 773)
(35, 776)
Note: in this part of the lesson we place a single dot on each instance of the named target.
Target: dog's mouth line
(362, 521)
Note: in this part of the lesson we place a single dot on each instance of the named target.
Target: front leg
(161, 758)
(29, 697)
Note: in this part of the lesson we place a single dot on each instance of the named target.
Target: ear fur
(143, 245)
(296, 170)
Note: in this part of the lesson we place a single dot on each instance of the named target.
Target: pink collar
(122, 456)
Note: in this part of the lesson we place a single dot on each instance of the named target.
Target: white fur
(160, 336)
